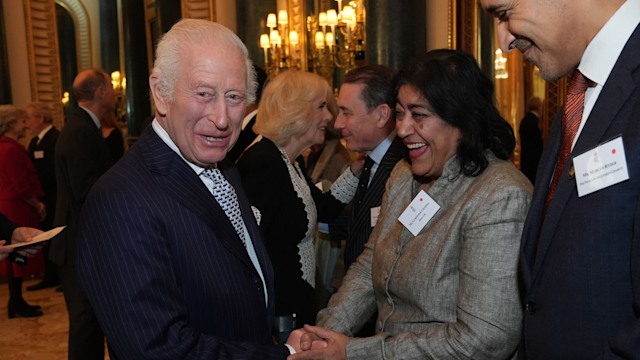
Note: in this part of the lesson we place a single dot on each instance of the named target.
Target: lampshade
(332, 17)
(271, 20)
(274, 36)
(264, 41)
(283, 18)
(322, 19)
(293, 37)
(319, 40)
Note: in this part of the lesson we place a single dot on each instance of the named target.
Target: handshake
(314, 342)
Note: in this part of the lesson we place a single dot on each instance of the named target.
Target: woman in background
(444, 282)
(19, 191)
(293, 115)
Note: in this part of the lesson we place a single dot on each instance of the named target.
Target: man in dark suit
(81, 157)
(580, 255)
(170, 270)
(530, 139)
(367, 124)
(41, 152)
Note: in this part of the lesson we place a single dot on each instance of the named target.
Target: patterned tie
(226, 196)
(363, 184)
(571, 118)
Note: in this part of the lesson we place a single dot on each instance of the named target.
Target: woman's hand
(335, 349)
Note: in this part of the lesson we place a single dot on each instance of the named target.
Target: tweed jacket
(451, 291)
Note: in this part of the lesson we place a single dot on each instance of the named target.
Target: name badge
(419, 212)
(375, 212)
(38, 154)
(601, 167)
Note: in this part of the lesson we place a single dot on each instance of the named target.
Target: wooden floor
(39, 338)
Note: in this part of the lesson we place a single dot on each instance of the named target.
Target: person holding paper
(19, 191)
(445, 282)
(10, 233)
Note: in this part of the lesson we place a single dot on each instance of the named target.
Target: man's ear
(383, 112)
(158, 100)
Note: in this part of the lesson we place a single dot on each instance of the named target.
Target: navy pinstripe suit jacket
(163, 267)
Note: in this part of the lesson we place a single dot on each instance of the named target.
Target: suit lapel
(532, 227)
(379, 180)
(181, 183)
(360, 223)
(233, 176)
(616, 91)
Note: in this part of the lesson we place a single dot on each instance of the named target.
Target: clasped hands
(314, 342)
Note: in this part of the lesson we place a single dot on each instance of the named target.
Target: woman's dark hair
(463, 96)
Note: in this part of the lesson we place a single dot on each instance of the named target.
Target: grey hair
(195, 32)
(42, 109)
(9, 114)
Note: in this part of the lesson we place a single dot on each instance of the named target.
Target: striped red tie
(571, 118)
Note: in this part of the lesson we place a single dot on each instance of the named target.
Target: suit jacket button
(530, 308)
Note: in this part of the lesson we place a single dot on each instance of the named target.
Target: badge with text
(419, 212)
(601, 167)
(38, 154)
(375, 212)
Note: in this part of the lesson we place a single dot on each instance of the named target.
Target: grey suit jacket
(451, 292)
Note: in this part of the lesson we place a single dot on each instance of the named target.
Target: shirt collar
(44, 131)
(378, 153)
(93, 116)
(164, 136)
(603, 51)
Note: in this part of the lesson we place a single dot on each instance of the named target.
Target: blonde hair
(9, 114)
(287, 104)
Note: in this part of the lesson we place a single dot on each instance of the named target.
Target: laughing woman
(449, 291)
(293, 115)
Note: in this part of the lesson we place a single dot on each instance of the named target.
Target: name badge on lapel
(419, 212)
(375, 213)
(38, 154)
(601, 167)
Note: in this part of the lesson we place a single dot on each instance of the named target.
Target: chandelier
(280, 45)
(119, 84)
(336, 40)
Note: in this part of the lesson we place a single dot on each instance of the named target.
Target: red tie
(571, 118)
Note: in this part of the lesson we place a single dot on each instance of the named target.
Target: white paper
(47, 235)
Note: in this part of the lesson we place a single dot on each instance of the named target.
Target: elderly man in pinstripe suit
(171, 273)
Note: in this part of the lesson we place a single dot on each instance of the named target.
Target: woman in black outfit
(292, 116)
